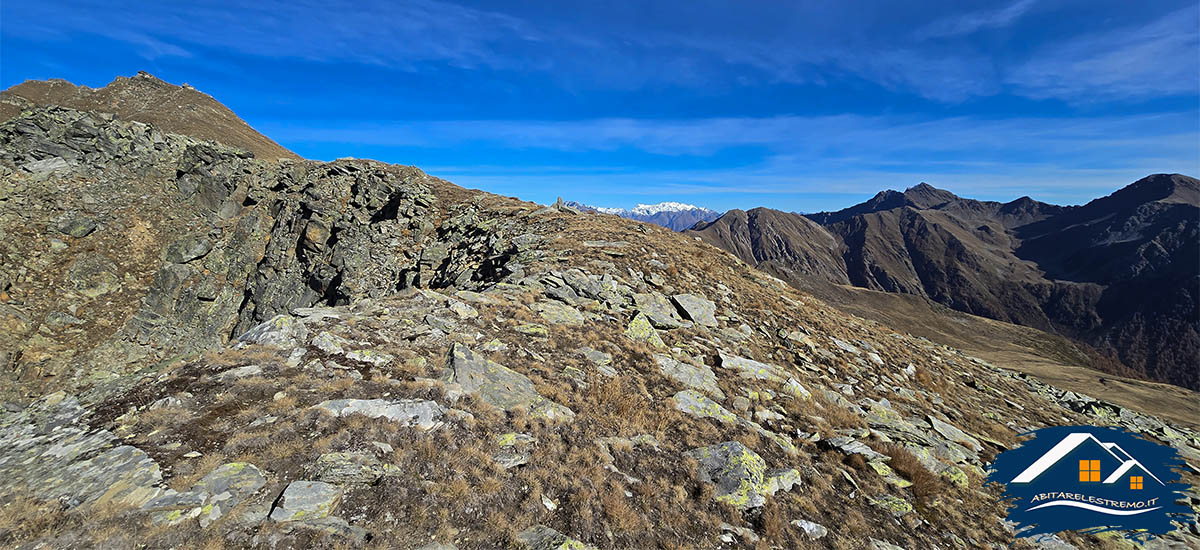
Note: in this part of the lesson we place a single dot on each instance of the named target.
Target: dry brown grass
(23, 516)
(925, 483)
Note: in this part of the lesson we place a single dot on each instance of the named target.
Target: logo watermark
(1091, 479)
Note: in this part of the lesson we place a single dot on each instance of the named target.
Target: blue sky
(800, 106)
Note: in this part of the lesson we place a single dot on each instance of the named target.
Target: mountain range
(675, 216)
(1120, 273)
(205, 347)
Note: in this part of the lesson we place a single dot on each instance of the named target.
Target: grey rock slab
(239, 372)
(212, 497)
(751, 369)
(281, 331)
(409, 412)
(46, 165)
(697, 404)
(497, 385)
(852, 446)
(881, 545)
(813, 530)
(557, 313)
(641, 330)
(540, 537)
(696, 309)
(379, 359)
(695, 377)
(49, 449)
(76, 226)
(330, 343)
(306, 500)
(599, 358)
(954, 434)
(658, 310)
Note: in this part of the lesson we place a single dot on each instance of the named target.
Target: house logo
(1091, 479)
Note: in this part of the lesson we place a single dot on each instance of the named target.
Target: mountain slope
(1120, 273)
(144, 98)
(245, 353)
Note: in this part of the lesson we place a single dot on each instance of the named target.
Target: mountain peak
(924, 195)
(1163, 187)
(676, 216)
(146, 98)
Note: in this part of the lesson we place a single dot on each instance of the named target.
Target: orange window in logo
(1089, 471)
(1135, 482)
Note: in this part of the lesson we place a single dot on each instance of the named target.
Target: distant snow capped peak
(674, 215)
(652, 209)
(667, 206)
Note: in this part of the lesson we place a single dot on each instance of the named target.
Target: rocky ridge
(292, 354)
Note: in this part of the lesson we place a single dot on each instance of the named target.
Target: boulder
(281, 331)
(740, 475)
(695, 377)
(330, 343)
(697, 404)
(75, 226)
(640, 330)
(409, 412)
(658, 310)
(187, 249)
(239, 372)
(852, 446)
(306, 500)
(696, 309)
(498, 385)
(751, 369)
(813, 530)
(557, 313)
(954, 434)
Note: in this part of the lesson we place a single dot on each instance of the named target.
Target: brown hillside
(144, 98)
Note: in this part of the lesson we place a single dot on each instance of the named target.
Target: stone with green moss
(740, 475)
(893, 504)
(888, 474)
(697, 404)
(530, 329)
(558, 313)
(955, 476)
(640, 330)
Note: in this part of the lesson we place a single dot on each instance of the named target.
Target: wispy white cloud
(854, 136)
(702, 46)
(967, 23)
(1155, 59)
(397, 34)
(1062, 160)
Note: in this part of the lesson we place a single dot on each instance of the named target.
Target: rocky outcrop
(144, 98)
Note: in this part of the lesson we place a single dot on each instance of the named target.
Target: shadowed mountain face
(1120, 273)
(144, 98)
